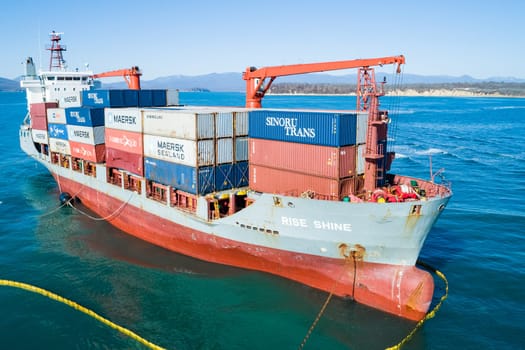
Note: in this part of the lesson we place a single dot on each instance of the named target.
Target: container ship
(304, 194)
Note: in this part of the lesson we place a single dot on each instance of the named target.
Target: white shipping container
(70, 99)
(362, 127)
(241, 148)
(59, 146)
(40, 136)
(127, 119)
(225, 150)
(187, 152)
(86, 134)
(172, 97)
(360, 159)
(184, 124)
(56, 115)
(241, 123)
(224, 124)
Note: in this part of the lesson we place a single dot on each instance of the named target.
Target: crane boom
(131, 75)
(255, 78)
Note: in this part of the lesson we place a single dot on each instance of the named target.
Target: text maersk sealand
(342, 224)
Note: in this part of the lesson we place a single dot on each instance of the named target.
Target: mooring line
(429, 315)
(410, 335)
(327, 301)
(107, 217)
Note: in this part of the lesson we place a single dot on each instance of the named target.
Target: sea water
(476, 144)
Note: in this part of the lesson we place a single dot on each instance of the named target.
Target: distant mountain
(233, 81)
(9, 85)
(213, 82)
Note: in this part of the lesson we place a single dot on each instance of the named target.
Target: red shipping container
(93, 153)
(39, 122)
(325, 161)
(278, 181)
(40, 109)
(134, 163)
(122, 140)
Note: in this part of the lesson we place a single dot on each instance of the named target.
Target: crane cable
(72, 304)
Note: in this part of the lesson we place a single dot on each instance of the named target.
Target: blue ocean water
(181, 303)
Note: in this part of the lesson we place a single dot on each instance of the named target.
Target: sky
(482, 39)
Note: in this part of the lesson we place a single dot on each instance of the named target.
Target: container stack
(57, 131)
(240, 166)
(110, 98)
(224, 175)
(304, 153)
(123, 137)
(85, 130)
(39, 122)
(179, 149)
(231, 133)
(122, 98)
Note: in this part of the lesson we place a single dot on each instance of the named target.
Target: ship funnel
(30, 68)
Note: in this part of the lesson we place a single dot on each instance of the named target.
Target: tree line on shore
(481, 88)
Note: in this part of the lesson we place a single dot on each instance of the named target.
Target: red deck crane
(131, 75)
(367, 99)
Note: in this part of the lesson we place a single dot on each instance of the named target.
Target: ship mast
(56, 59)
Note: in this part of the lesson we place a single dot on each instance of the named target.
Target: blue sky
(168, 37)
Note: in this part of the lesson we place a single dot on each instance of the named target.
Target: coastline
(414, 93)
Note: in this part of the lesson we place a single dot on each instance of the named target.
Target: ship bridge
(63, 87)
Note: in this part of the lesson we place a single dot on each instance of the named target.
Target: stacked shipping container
(203, 150)
(123, 137)
(39, 122)
(308, 153)
(85, 129)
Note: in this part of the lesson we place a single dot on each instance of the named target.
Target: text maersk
(170, 149)
(124, 119)
(316, 224)
(290, 126)
(81, 134)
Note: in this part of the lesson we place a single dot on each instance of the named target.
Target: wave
(401, 155)
(476, 211)
(431, 151)
(496, 108)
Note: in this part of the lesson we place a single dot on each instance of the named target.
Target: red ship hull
(405, 291)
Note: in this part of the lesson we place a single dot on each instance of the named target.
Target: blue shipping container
(310, 127)
(241, 174)
(182, 177)
(224, 177)
(85, 116)
(110, 98)
(57, 131)
(152, 98)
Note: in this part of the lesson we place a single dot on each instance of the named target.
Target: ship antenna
(57, 59)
